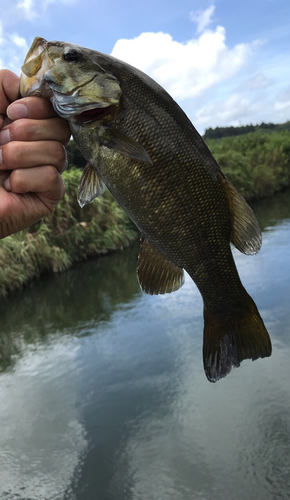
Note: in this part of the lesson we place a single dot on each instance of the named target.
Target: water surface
(103, 394)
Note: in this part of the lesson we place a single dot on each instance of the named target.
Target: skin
(32, 157)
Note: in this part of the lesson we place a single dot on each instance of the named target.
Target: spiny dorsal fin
(156, 274)
(90, 186)
(245, 231)
(121, 143)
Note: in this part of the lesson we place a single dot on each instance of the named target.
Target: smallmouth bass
(141, 146)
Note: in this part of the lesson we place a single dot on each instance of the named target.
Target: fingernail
(4, 137)
(16, 111)
(7, 184)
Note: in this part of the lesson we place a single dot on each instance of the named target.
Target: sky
(224, 62)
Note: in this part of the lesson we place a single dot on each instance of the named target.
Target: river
(103, 394)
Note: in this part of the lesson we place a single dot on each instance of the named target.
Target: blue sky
(224, 62)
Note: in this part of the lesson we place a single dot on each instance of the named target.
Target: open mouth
(96, 114)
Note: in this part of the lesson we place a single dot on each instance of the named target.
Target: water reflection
(271, 211)
(63, 304)
(42, 438)
(103, 395)
(42, 447)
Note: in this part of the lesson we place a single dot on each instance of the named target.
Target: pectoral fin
(114, 139)
(90, 186)
(156, 274)
(246, 233)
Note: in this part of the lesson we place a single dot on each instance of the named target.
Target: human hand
(32, 156)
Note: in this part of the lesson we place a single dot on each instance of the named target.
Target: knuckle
(66, 133)
(16, 181)
(55, 185)
(51, 175)
(38, 107)
(10, 153)
(60, 155)
(16, 130)
(27, 130)
(67, 136)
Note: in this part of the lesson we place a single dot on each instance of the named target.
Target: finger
(9, 84)
(55, 129)
(31, 107)
(21, 155)
(44, 181)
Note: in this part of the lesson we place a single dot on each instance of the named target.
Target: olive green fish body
(178, 203)
(143, 148)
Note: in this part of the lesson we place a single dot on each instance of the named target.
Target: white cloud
(185, 69)
(202, 18)
(27, 6)
(283, 100)
(32, 9)
(237, 109)
(18, 41)
(15, 49)
(230, 111)
(282, 105)
(257, 82)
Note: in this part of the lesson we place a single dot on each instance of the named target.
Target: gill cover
(65, 73)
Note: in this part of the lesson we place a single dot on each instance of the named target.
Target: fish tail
(229, 339)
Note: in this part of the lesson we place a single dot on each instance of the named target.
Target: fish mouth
(71, 106)
(96, 114)
(78, 96)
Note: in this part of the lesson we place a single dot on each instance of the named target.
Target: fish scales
(170, 204)
(144, 149)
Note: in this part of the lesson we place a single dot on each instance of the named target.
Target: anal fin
(90, 186)
(156, 274)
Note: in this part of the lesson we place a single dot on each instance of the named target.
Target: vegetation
(68, 235)
(74, 155)
(219, 132)
(258, 163)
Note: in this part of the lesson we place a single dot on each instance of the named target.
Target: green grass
(258, 163)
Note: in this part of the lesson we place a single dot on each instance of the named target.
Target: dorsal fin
(245, 231)
(156, 274)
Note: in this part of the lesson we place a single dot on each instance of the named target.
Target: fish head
(71, 78)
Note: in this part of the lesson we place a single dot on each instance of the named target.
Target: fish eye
(71, 55)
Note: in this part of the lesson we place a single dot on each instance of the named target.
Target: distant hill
(219, 132)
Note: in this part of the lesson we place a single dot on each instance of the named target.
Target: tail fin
(230, 339)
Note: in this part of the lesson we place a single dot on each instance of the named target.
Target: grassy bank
(258, 163)
(68, 235)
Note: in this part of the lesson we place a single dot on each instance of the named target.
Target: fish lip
(67, 107)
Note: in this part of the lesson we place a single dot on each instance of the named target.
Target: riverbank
(258, 163)
(67, 236)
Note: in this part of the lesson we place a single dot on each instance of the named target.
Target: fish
(141, 146)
